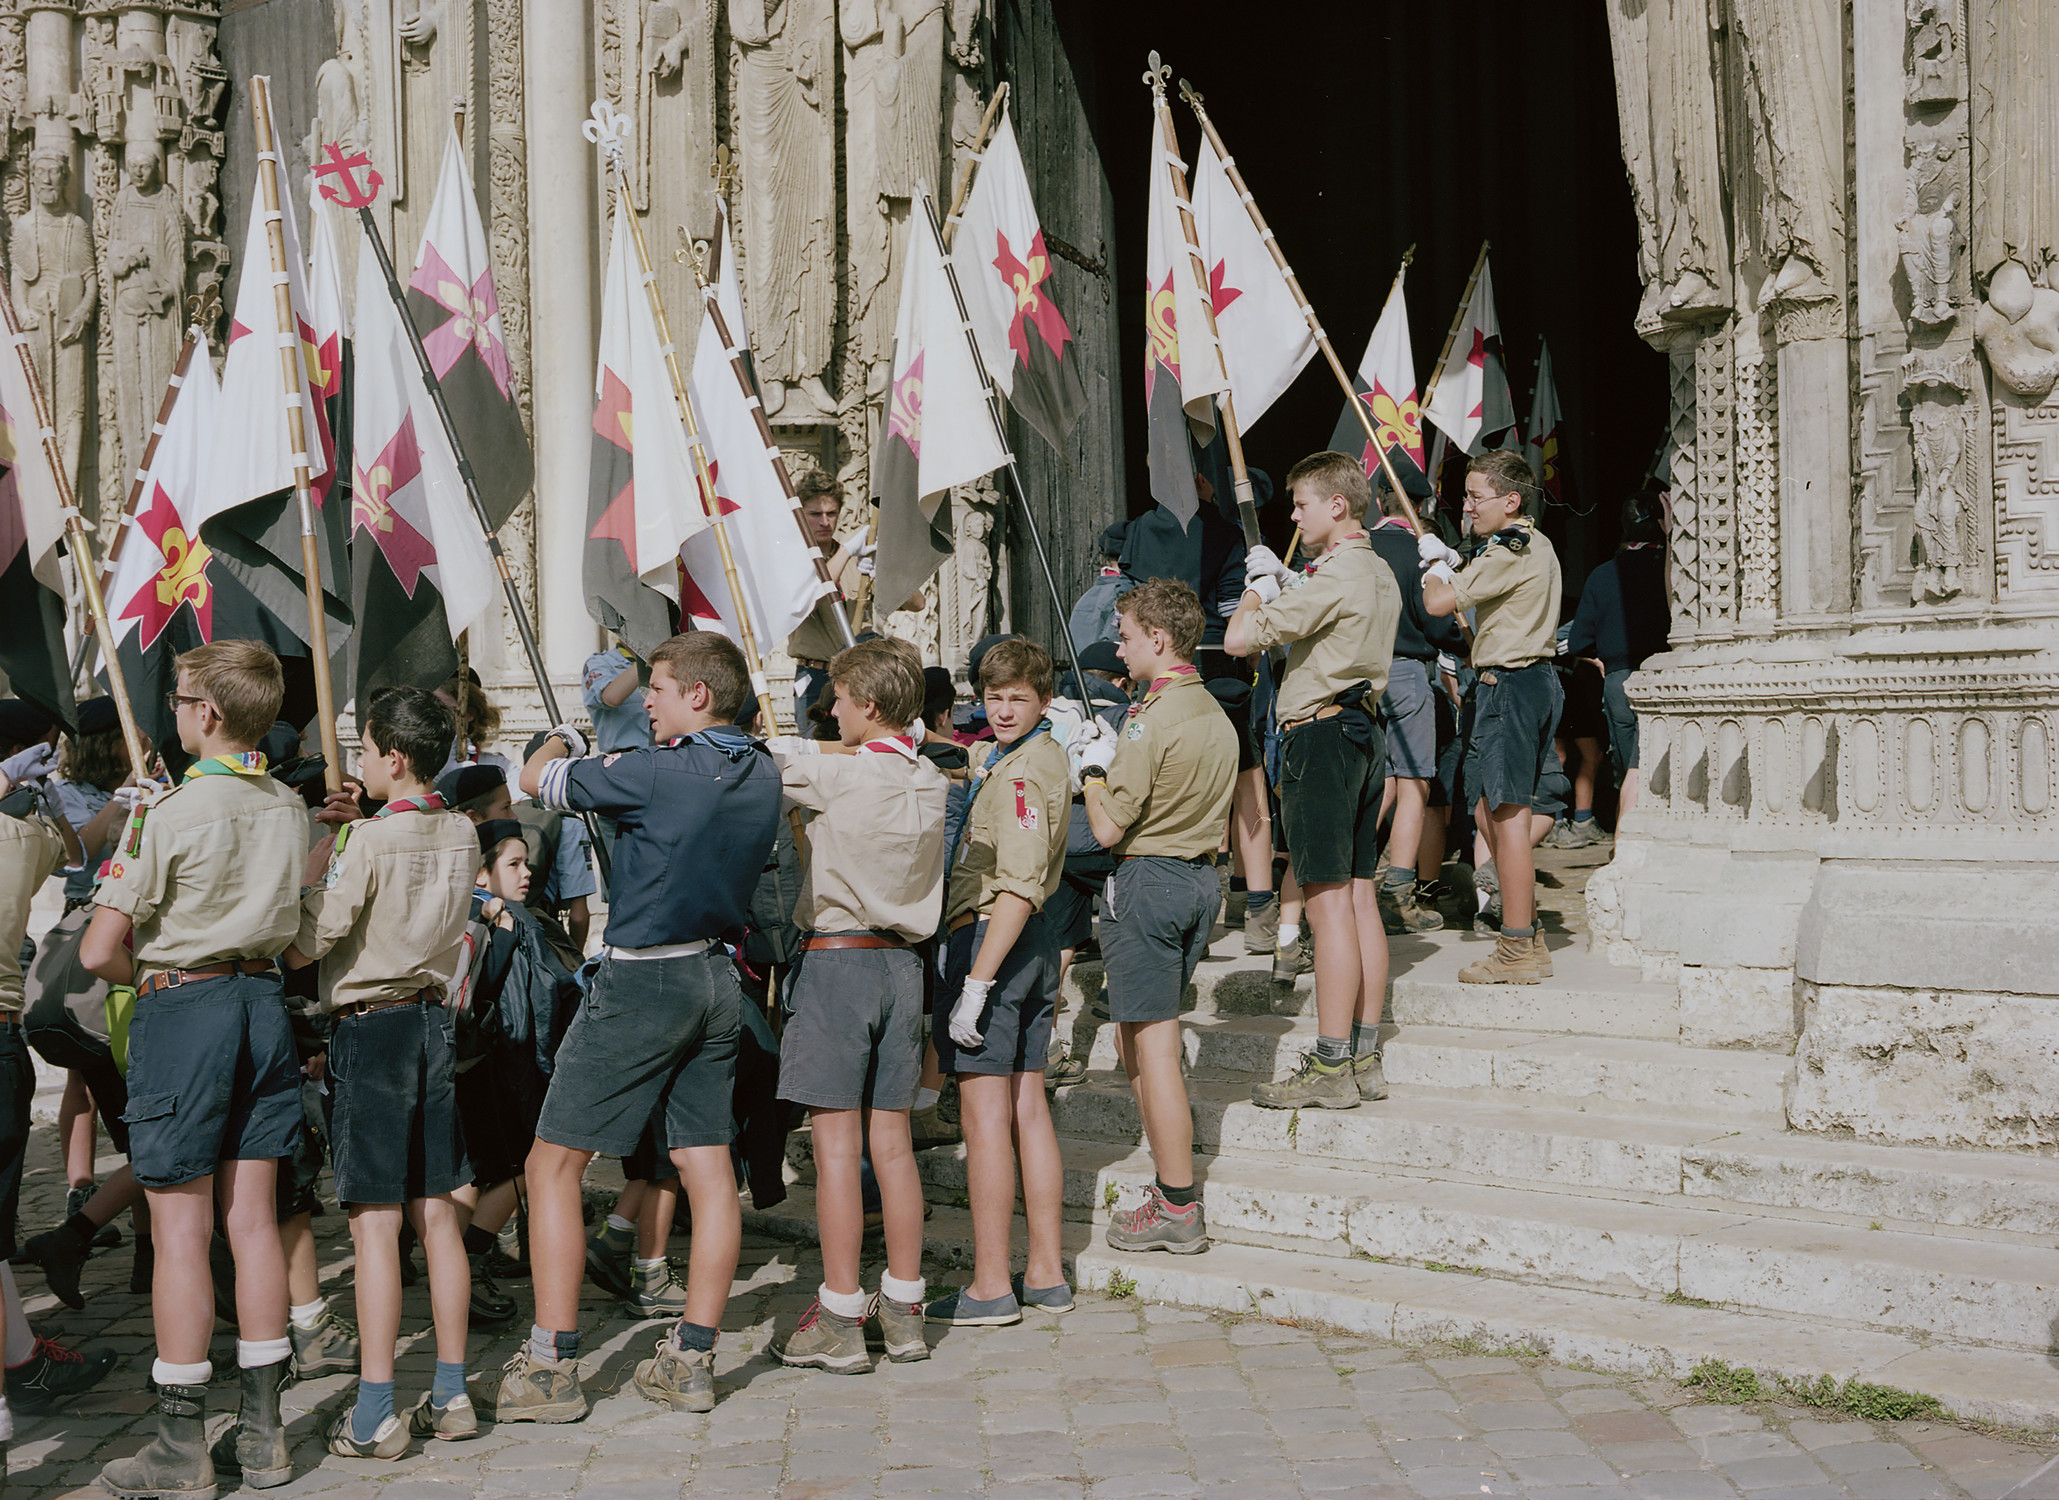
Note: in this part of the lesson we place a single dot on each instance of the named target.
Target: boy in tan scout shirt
(1158, 793)
(1337, 622)
(209, 887)
(992, 1017)
(873, 886)
(1513, 582)
(388, 907)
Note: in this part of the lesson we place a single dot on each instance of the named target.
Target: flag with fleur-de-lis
(453, 302)
(1385, 385)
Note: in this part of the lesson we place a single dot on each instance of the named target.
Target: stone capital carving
(2018, 329)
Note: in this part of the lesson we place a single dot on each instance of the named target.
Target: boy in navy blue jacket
(695, 816)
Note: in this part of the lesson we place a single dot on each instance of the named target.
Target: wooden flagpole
(1193, 97)
(81, 545)
(1458, 319)
(293, 384)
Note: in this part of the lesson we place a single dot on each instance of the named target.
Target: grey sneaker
(1055, 1299)
(1575, 834)
(1292, 960)
(532, 1390)
(900, 1328)
(825, 1341)
(1156, 1225)
(683, 1379)
(450, 1423)
(962, 1311)
(1316, 1085)
(389, 1441)
(1369, 1072)
(330, 1345)
(658, 1293)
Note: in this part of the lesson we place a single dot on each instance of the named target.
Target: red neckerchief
(1111, 572)
(1165, 680)
(1397, 521)
(432, 803)
(890, 744)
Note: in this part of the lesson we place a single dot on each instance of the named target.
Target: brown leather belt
(166, 979)
(1327, 711)
(432, 995)
(9, 1017)
(826, 941)
(1185, 859)
(964, 919)
(811, 663)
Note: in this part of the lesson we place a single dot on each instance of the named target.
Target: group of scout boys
(215, 888)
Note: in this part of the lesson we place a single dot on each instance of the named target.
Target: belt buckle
(168, 979)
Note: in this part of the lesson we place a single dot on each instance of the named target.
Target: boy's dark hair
(884, 672)
(818, 482)
(1169, 605)
(415, 722)
(714, 661)
(1510, 474)
(1015, 661)
(1335, 474)
(244, 682)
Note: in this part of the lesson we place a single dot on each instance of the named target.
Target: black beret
(1100, 656)
(468, 783)
(98, 716)
(281, 742)
(1113, 538)
(22, 723)
(938, 691)
(496, 831)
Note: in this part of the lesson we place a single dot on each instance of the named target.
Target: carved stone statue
(146, 262)
(1794, 82)
(2015, 201)
(1935, 56)
(785, 97)
(55, 293)
(1943, 543)
(1928, 243)
(2018, 327)
(668, 72)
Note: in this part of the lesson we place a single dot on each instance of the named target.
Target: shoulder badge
(1134, 730)
(1025, 810)
(610, 758)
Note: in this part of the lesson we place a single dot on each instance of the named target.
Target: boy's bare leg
(986, 1114)
(839, 1139)
(303, 1269)
(1043, 1184)
(629, 1202)
(77, 1127)
(1372, 953)
(900, 1191)
(654, 1216)
(496, 1206)
(709, 1180)
(1339, 971)
(375, 1239)
(1511, 841)
(1150, 1054)
(1430, 847)
(1251, 830)
(557, 1233)
(438, 1222)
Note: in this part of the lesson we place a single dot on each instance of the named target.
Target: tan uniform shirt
(30, 852)
(390, 914)
(1337, 622)
(1173, 774)
(217, 876)
(1517, 595)
(1013, 841)
(817, 639)
(875, 841)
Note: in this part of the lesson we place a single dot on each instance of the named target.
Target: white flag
(1183, 368)
(1471, 400)
(1265, 337)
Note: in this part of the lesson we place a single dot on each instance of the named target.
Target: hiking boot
(928, 1127)
(175, 1465)
(489, 1303)
(608, 1253)
(1156, 1225)
(330, 1345)
(658, 1293)
(961, 1311)
(254, 1445)
(683, 1379)
(106, 1237)
(1514, 961)
(1262, 928)
(1433, 894)
(1292, 960)
(143, 1266)
(1369, 1072)
(1541, 953)
(947, 1105)
(1400, 913)
(388, 1440)
(53, 1374)
(900, 1328)
(1578, 834)
(1065, 1072)
(1315, 1085)
(532, 1390)
(451, 1423)
(62, 1253)
(826, 1341)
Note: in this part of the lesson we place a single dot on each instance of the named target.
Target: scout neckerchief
(727, 738)
(1515, 536)
(1159, 684)
(249, 763)
(979, 781)
(433, 802)
(890, 744)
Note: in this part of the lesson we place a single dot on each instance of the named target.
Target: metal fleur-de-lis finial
(608, 129)
(1156, 74)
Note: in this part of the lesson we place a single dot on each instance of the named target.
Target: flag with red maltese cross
(1385, 384)
(643, 500)
(420, 564)
(452, 300)
(32, 648)
(1004, 269)
(1264, 335)
(1470, 401)
(937, 433)
(774, 563)
(1183, 368)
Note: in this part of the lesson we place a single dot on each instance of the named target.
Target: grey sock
(1523, 934)
(1332, 1049)
(1400, 877)
(1365, 1039)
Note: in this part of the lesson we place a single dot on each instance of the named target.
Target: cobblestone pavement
(1113, 1399)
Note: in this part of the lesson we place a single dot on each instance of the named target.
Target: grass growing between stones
(1121, 1285)
(1737, 1385)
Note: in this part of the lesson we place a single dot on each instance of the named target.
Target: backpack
(64, 1007)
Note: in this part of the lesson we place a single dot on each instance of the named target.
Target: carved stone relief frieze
(1758, 488)
(1793, 84)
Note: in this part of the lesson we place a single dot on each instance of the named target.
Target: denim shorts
(213, 1077)
(652, 1034)
(1015, 1028)
(1154, 934)
(396, 1116)
(854, 1029)
(17, 1088)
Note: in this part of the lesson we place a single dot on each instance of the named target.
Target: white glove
(787, 746)
(1441, 569)
(128, 797)
(1262, 562)
(1265, 585)
(972, 1000)
(32, 764)
(575, 742)
(917, 732)
(1092, 751)
(1431, 549)
(868, 564)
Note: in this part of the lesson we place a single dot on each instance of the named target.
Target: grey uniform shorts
(1015, 1028)
(1155, 933)
(854, 1029)
(1408, 716)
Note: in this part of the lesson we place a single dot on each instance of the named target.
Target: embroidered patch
(114, 870)
(1025, 811)
(1135, 730)
(610, 758)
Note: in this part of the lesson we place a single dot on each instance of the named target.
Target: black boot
(255, 1446)
(143, 1269)
(62, 1253)
(176, 1462)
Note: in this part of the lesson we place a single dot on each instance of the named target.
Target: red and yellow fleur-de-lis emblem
(1163, 325)
(1398, 423)
(1548, 461)
(1026, 278)
(392, 469)
(184, 576)
(904, 410)
(182, 580)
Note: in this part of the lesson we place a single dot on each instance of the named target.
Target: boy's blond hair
(1169, 605)
(243, 681)
(886, 673)
(1333, 473)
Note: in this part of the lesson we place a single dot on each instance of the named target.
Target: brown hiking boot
(1401, 913)
(1514, 961)
(1541, 952)
(1292, 960)
(1262, 928)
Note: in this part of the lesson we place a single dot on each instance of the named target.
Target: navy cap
(1100, 656)
(280, 742)
(1113, 538)
(496, 831)
(98, 716)
(468, 783)
(22, 723)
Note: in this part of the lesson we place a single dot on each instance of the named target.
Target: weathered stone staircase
(1554, 1169)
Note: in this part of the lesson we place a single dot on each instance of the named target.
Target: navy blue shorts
(1015, 1028)
(1156, 934)
(396, 1115)
(17, 1088)
(1510, 722)
(213, 1077)
(1330, 788)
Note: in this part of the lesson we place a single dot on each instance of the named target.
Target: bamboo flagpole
(1465, 301)
(81, 546)
(606, 129)
(348, 193)
(1193, 97)
(293, 383)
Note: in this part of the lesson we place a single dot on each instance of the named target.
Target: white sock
(902, 1291)
(1290, 934)
(619, 1224)
(255, 1354)
(164, 1372)
(307, 1317)
(927, 1098)
(21, 1343)
(843, 1304)
(6, 1422)
(654, 1264)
